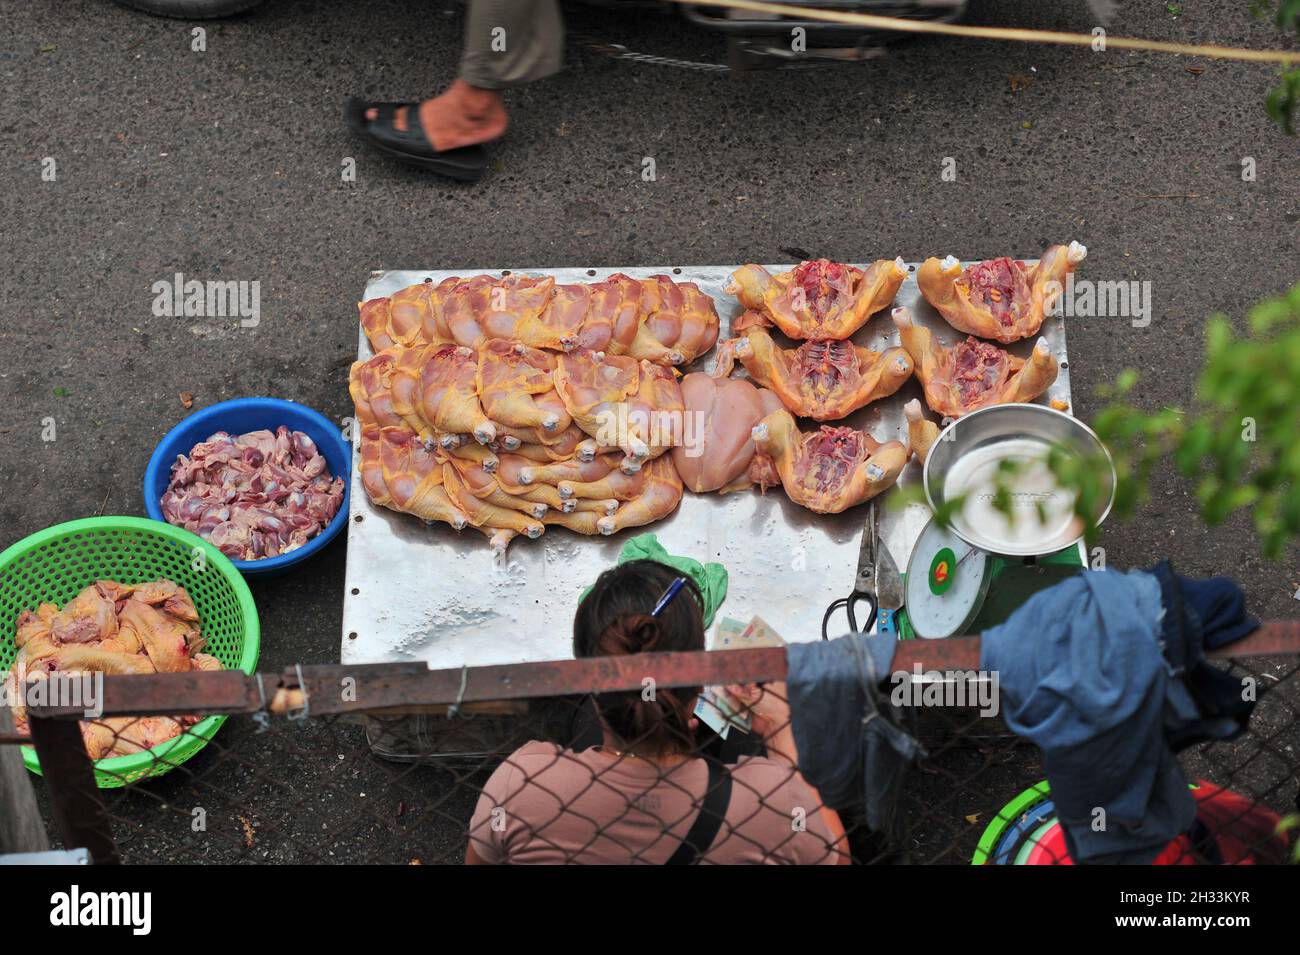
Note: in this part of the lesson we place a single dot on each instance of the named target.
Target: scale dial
(947, 581)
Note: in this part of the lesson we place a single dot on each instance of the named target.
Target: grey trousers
(509, 42)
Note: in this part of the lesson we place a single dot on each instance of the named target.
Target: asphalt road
(226, 164)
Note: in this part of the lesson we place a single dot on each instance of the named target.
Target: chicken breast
(717, 444)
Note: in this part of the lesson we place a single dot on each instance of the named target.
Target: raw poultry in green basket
(117, 629)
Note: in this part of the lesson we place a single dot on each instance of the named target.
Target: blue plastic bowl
(239, 416)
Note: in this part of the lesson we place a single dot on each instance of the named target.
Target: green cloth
(710, 578)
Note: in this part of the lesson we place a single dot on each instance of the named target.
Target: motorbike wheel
(191, 9)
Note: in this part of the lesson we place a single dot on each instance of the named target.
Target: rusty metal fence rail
(400, 764)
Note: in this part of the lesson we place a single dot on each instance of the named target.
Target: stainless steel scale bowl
(965, 461)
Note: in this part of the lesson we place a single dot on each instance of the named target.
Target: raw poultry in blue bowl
(267, 501)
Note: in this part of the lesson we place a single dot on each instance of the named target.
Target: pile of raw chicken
(116, 629)
(253, 495)
(510, 404)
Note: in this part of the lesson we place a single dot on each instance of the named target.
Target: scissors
(863, 584)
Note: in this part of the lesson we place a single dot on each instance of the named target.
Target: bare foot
(462, 116)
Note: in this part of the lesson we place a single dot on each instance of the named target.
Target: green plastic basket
(56, 564)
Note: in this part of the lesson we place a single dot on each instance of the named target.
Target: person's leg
(507, 43)
(511, 42)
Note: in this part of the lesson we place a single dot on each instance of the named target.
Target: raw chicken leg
(821, 379)
(96, 659)
(921, 431)
(370, 383)
(661, 492)
(517, 471)
(408, 318)
(484, 486)
(654, 414)
(658, 319)
(479, 454)
(623, 403)
(819, 299)
(487, 517)
(511, 378)
(680, 322)
(659, 498)
(485, 307)
(614, 317)
(558, 326)
(827, 470)
(1002, 299)
(449, 393)
(973, 374)
(399, 472)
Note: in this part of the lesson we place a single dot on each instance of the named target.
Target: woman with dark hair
(644, 795)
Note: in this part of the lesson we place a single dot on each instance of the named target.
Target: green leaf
(1194, 446)
(1288, 14)
(1283, 100)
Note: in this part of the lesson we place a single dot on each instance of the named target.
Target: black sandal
(411, 145)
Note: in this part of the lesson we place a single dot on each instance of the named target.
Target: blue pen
(673, 590)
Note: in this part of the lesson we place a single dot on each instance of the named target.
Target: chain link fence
(399, 764)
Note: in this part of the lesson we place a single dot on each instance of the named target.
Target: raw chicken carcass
(166, 640)
(1003, 299)
(717, 446)
(827, 470)
(818, 299)
(973, 374)
(87, 618)
(824, 379)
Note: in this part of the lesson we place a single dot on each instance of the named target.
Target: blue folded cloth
(1105, 672)
(852, 749)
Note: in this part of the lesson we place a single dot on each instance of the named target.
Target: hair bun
(631, 633)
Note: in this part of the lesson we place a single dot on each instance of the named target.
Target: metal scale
(971, 575)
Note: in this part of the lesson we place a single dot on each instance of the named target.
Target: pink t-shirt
(548, 805)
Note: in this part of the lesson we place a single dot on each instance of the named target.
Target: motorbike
(752, 41)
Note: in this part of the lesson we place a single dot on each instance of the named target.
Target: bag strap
(713, 809)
